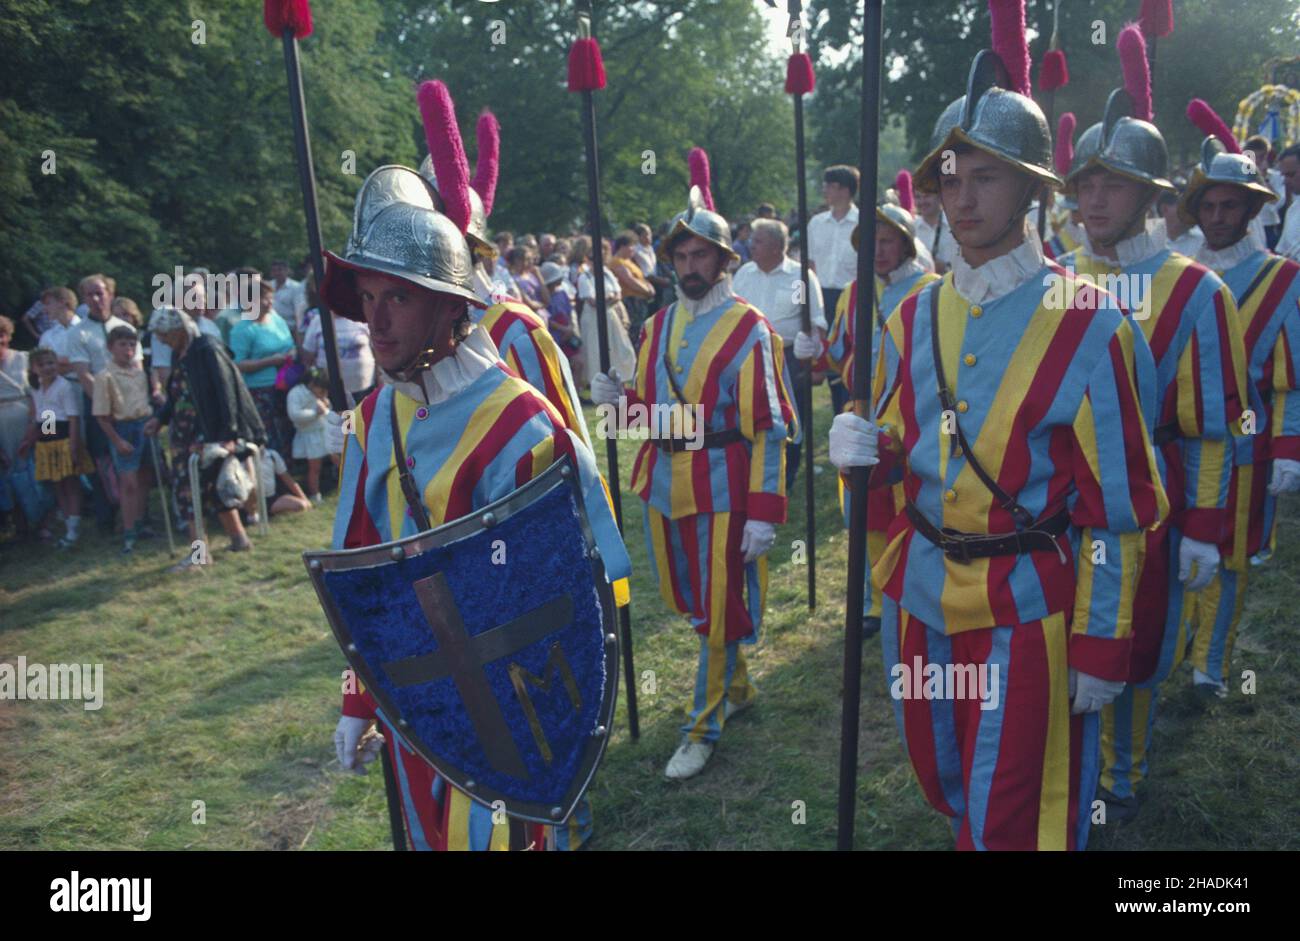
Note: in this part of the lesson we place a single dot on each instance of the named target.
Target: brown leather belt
(712, 439)
(962, 547)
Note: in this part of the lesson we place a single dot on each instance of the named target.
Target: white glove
(334, 433)
(606, 390)
(1201, 554)
(806, 347)
(1089, 693)
(756, 539)
(853, 441)
(1286, 476)
(355, 743)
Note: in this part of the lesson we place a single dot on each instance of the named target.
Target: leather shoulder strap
(413, 501)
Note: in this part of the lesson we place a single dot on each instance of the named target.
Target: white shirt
(1289, 243)
(290, 302)
(587, 287)
(774, 292)
(88, 343)
(56, 338)
(947, 249)
(830, 248)
(645, 257)
(62, 398)
(356, 360)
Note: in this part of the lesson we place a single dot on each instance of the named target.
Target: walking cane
(163, 495)
(586, 75)
(196, 501)
(259, 487)
(872, 17)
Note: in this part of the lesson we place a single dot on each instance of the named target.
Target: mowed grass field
(222, 686)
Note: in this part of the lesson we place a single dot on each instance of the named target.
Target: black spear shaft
(805, 412)
(338, 401)
(307, 177)
(872, 17)
(602, 331)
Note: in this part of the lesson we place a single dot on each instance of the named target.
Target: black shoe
(870, 627)
(1119, 810)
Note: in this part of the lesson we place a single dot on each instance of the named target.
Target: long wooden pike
(872, 57)
(288, 21)
(799, 80)
(587, 75)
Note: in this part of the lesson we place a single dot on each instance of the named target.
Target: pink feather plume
(903, 183)
(280, 15)
(1202, 115)
(1157, 17)
(487, 165)
(1063, 154)
(1055, 72)
(698, 161)
(1137, 71)
(1009, 42)
(446, 150)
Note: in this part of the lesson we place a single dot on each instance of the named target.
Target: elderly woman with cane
(207, 403)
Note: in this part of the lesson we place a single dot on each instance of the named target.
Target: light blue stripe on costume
(1170, 655)
(989, 738)
(413, 827)
(1122, 710)
(354, 458)
(889, 618)
(1103, 600)
(1216, 664)
(947, 754)
(379, 460)
(1089, 771)
(479, 838)
(1108, 430)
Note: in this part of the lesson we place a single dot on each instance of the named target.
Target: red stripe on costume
(505, 425)
(1279, 284)
(1167, 327)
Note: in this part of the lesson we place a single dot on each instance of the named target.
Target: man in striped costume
(451, 430)
(899, 275)
(1009, 577)
(1188, 317)
(715, 491)
(1223, 196)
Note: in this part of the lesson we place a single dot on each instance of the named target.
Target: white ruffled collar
(473, 356)
(719, 294)
(1130, 251)
(1229, 257)
(909, 268)
(998, 276)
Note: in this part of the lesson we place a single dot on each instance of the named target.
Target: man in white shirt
(772, 282)
(1289, 163)
(830, 247)
(290, 299)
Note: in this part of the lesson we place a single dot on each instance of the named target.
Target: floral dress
(183, 431)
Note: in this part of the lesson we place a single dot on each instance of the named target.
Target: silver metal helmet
(897, 218)
(397, 230)
(1124, 145)
(699, 221)
(1218, 167)
(476, 232)
(995, 120)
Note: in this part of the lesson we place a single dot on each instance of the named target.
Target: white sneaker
(689, 760)
(316, 498)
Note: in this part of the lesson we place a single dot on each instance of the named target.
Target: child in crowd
(61, 455)
(308, 405)
(121, 406)
(276, 478)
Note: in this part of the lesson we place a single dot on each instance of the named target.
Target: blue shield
(489, 643)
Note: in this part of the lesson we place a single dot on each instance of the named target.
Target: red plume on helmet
(903, 183)
(1202, 115)
(1157, 17)
(698, 161)
(1055, 72)
(1137, 72)
(446, 151)
(280, 15)
(1008, 19)
(586, 65)
(1063, 154)
(799, 77)
(487, 165)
